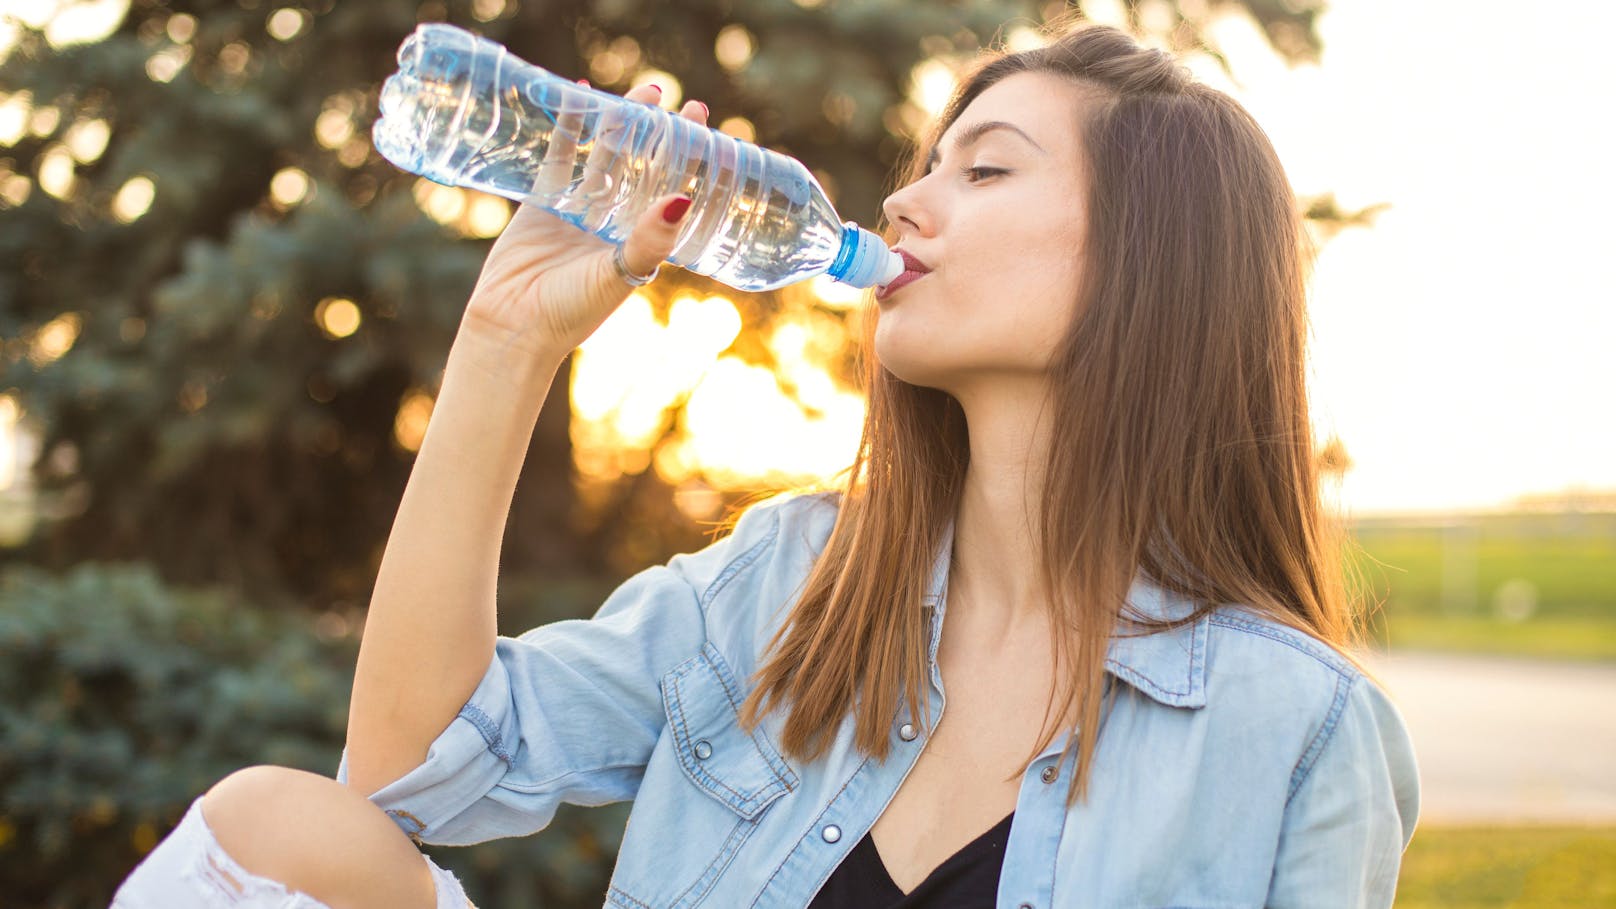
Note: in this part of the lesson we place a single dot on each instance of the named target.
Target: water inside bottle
(463, 111)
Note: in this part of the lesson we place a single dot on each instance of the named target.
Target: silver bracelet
(626, 274)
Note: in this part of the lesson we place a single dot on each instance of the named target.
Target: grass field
(1522, 584)
(1540, 585)
(1517, 867)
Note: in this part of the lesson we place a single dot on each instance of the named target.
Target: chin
(917, 370)
(921, 351)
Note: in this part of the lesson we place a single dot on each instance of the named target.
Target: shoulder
(799, 505)
(1264, 675)
(763, 532)
(1350, 757)
(766, 558)
(787, 522)
(1245, 634)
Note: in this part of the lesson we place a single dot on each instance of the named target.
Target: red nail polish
(657, 87)
(704, 111)
(675, 210)
(584, 82)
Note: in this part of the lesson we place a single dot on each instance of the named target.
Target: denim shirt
(1243, 764)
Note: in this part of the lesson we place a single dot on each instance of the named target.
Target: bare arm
(429, 634)
(431, 627)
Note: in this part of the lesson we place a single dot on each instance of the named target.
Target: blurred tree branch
(196, 411)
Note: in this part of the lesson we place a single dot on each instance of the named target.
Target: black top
(968, 879)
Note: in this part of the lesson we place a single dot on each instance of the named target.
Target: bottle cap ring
(628, 275)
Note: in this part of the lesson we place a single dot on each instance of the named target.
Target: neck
(996, 541)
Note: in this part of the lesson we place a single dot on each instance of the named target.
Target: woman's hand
(547, 285)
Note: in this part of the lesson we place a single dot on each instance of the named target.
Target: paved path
(1509, 740)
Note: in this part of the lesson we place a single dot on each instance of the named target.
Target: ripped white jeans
(190, 870)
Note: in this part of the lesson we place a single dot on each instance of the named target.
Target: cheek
(1024, 300)
(1032, 258)
(1006, 304)
(1044, 294)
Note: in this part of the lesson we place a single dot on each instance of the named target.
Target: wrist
(510, 358)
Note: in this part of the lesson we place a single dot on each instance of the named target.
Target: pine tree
(226, 314)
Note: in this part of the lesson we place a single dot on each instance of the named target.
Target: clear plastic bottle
(463, 111)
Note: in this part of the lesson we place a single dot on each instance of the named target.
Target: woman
(1087, 445)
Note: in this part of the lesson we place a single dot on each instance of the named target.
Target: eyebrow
(969, 134)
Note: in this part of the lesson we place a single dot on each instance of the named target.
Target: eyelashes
(967, 172)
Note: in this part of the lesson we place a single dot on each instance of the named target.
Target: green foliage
(1459, 568)
(201, 423)
(1541, 585)
(1542, 637)
(1517, 867)
(122, 700)
(202, 420)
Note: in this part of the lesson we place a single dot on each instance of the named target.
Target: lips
(910, 263)
(913, 270)
(887, 290)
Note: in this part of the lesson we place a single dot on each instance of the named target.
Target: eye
(985, 171)
(981, 173)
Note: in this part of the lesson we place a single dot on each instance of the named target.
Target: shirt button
(907, 732)
(1049, 775)
(703, 750)
(831, 833)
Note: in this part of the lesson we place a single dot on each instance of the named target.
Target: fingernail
(704, 110)
(675, 210)
(657, 87)
(584, 82)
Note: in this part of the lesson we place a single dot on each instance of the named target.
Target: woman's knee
(316, 835)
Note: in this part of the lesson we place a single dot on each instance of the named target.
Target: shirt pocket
(705, 796)
(742, 770)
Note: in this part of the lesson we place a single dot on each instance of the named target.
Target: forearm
(430, 628)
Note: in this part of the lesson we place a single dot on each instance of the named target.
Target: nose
(901, 207)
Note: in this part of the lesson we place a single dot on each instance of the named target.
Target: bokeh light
(409, 424)
(739, 427)
(56, 175)
(77, 22)
(15, 110)
(181, 28)
(487, 216)
(43, 121)
(134, 199)
(14, 188)
(734, 47)
(333, 127)
(338, 317)
(489, 10)
(289, 186)
(55, 338)
(286, 23)
(87, 139)
(164, 65)
(611, 63)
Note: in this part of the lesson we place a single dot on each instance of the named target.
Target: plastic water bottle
(463, 111)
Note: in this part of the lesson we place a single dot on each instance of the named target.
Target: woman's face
(1004, 245)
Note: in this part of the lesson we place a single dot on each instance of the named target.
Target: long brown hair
(1182, 447)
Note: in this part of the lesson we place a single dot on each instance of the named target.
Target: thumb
(655, 233)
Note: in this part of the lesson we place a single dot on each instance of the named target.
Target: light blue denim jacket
(1243, 764)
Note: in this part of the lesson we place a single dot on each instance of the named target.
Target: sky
(1462, 347)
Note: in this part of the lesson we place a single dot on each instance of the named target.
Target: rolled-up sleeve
(569, 711)
(1353, 811)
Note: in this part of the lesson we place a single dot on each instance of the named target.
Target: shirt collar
(1168, 666)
